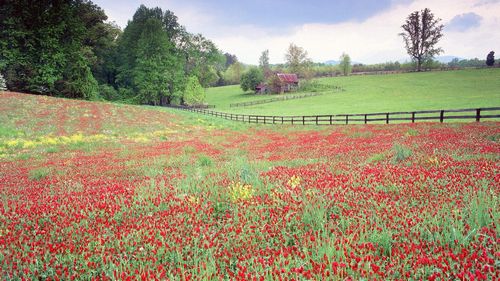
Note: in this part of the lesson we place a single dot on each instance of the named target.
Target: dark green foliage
(251, 78)
(490, 59)
(157, 74)
(107, 92)
(156, 54)
(49, 46)
(66, 48)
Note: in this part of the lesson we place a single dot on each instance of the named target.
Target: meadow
(376, 93)
(101, 191)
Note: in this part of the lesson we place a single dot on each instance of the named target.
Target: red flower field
(99, 191)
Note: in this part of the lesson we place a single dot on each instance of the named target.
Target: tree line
(67, 48)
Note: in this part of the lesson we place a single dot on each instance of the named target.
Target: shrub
(251, 78)
(108, 92)
(39, 174)
(401, 153)
(194, 92)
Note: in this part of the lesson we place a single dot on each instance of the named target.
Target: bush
(251, 78)
(194, 92)
(401, 153)
(107, 92)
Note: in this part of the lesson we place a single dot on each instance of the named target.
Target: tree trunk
(419, 65)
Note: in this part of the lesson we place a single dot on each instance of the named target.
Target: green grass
(377, 93)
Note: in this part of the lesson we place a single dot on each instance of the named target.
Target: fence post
(281, 119)
(274, 117)
(387, 118)
(264, 119)
(303, 120)
(441, 116)
(347, 119)
(413, 117)
(366, 120)
(316, 119)
(478, 114)
(331, 117)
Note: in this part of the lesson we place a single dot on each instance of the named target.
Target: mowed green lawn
(377, 93)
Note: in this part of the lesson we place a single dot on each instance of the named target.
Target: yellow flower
(76, 138)
(29, 144)
(239, 191)
(294, 181)
(12, 143)
(434, 161)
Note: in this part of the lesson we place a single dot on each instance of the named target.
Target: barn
(288, 82)
(279, 83)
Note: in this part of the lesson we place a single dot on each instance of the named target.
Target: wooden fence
(282, 98)
(249, 103)
(476, 114)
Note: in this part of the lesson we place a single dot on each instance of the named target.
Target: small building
(279, 83)
(288, 82)
(261, 88)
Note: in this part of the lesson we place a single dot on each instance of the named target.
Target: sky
(367, 30)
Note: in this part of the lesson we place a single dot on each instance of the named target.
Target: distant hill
(336, 62)
(331, 62)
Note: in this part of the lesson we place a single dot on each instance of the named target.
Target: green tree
(297, 60)
(421, 34)
(194, 93)
(156, 76)
(41, 42)
(251, 78)
(345, 64)
(264, 64)
(232, 75)
(202, 58)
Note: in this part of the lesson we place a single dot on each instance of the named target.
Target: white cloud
(371, 41)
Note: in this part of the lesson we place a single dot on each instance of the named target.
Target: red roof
(288, 78)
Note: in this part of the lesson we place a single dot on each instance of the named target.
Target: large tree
(421, 33)
(156, 76)
(297, 60)
(49, 46)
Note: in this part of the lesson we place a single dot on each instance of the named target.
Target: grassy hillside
(378, 93)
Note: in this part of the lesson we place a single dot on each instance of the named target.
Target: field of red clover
(97, 191)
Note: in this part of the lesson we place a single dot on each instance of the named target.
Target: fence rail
(282, 98)
(476, 114)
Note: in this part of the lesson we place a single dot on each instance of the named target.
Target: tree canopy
(50, 47)
(194, 93)
(421, 33)
(67, 48)
(251, 78)
(297, 60)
